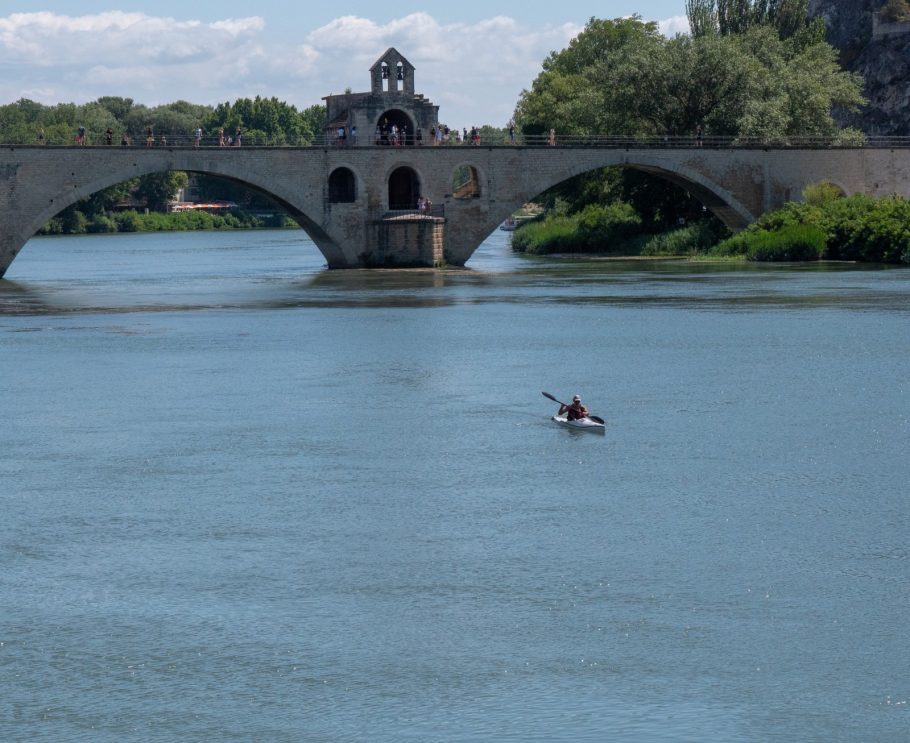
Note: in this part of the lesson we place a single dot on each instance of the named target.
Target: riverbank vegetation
(826, 225)
(141, 205)
(750, 70)
(74, 222)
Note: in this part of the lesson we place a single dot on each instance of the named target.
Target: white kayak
(594, 425)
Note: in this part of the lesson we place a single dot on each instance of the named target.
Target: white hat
(576, 399)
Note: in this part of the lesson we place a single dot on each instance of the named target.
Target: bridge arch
(537, 172)
(717, 199)
(104, 178)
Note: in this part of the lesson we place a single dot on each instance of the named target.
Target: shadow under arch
(342, 186)
(60, 201)
(403, 187)
(718, 200)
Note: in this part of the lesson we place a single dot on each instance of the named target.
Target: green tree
(702, 15)
(790, 18)
(118, 107)
(577, 91)
(159, 188)
(623, 78)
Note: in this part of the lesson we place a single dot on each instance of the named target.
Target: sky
(472, 59)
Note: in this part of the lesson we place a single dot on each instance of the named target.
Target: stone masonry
(738, 185)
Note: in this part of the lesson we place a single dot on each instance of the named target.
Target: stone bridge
(354, 201)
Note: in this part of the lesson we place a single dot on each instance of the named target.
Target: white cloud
(678, 24)
(474, 71)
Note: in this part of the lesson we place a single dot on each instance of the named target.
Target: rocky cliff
(880, 53)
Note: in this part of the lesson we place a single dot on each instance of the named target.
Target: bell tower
(367, 119)
(392, 73)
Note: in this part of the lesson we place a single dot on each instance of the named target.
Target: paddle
(592, 417)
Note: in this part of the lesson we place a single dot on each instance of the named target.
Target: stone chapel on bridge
(358, 119)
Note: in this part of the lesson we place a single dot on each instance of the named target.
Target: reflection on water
(139, 273)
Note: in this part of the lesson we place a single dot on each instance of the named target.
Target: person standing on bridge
(39, 138)
(198, 140)
(552, 139)
(511, 132)
(221, 136)
(108, 136)
(149, 137)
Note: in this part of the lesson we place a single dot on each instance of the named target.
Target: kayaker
(574, 412)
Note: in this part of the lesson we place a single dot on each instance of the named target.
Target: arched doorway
(465, 183)
(342, 186)
(404, 188)
(403, 127)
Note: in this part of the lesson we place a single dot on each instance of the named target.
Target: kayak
(594, 425)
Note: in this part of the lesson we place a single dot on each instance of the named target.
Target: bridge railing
(499, 139)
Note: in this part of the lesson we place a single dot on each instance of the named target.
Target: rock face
(879, 52)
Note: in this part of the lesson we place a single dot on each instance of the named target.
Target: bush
(54, 226)
(545, 236)
(691, 240)
(100, 223)
(821, 193)
(127, 221)
(795, 242)
(862, 228)
(803, 242)
(855, 228)
(596, 228)
(73, 222)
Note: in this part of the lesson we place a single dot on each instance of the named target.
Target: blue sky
(472, 59)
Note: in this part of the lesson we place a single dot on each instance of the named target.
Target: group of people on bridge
(81, 138)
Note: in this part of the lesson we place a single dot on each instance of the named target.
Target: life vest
(574, 414)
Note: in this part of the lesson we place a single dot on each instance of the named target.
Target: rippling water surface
(245, 498)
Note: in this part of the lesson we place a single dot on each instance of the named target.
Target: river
(245, 498)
